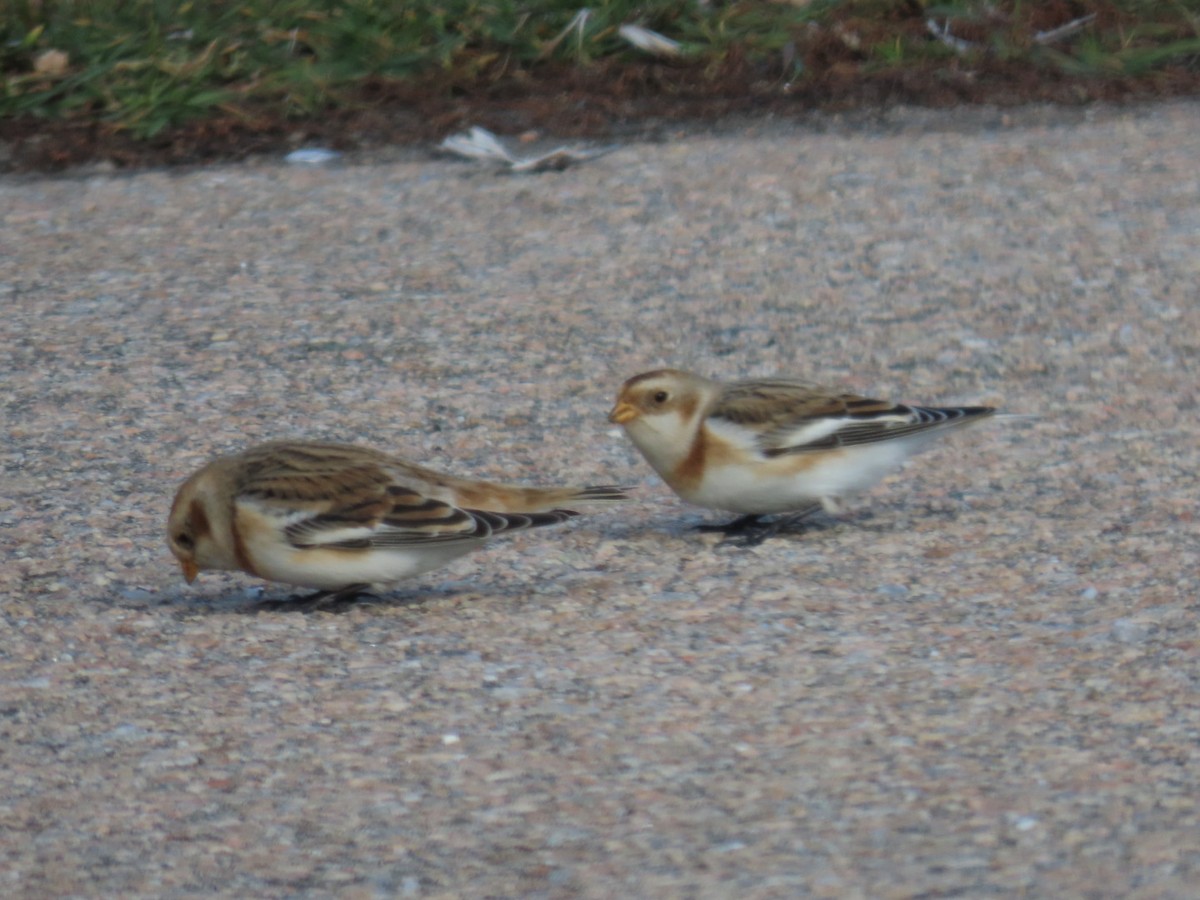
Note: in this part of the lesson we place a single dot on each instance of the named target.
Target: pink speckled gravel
(981, 681)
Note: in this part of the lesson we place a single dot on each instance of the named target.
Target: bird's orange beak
(622, 413)
(190, 569)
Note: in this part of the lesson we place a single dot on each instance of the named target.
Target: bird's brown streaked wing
(477, 524)
(405, 517)
(862, 426)
(349, 497)
(311, 472)
(393, 515)
(778, 407)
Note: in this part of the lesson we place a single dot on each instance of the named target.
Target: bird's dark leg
(324, 599)
(740, 524)
(319, 599)
(754, 534)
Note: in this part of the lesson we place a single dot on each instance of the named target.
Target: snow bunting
(341, 518)
(773, 445)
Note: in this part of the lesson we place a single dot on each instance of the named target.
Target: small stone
(1129, 631)
(311, 156)
(51, 62)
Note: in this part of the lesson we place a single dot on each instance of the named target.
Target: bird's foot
(737, 526)
(325, 601)
(754, 532)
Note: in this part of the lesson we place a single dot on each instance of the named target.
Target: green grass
(144, 66)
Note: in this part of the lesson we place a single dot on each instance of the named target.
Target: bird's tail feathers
(498, 523)
(600, 493)
(504, 498)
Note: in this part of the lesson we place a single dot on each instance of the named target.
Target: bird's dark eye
(184, 541)
(661, 397)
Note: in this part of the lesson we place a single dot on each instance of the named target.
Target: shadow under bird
(343, 518)
(772, 446)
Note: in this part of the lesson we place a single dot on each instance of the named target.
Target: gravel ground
(981, 680)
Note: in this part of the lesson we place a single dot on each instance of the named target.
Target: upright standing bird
(773, 445)
(341, 518)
